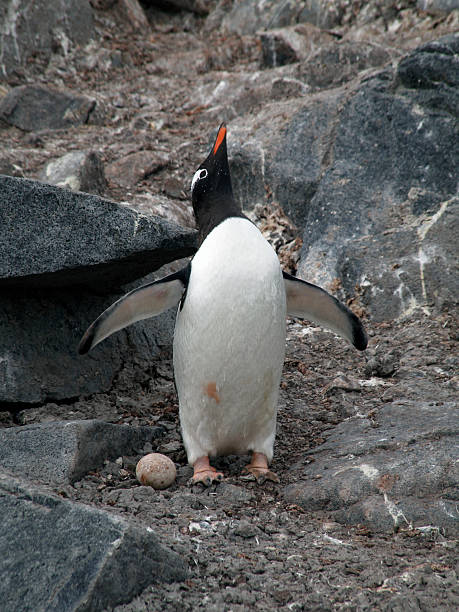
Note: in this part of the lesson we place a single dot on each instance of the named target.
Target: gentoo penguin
(229, 340)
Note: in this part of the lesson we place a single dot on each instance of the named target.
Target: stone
(53, 237)
(396, 470)
(242, 17)
(10, 167)
(334, 64)
(60, 555)
(280, 47)
(431, 63)
(382, 364)
(6, 419)
(175, 189)
(329, 161)
(323, 62)
(132, 16)
(65, 257)
(244, 529)
(179, 212)
(78, 171)
(438, 6)
(132, 168)
(406, 268)
(322, 13)
(62, 452)
(234, 93)
(200, 7)
(56, 25)
(299, 43)
(284, 158)
(40, 328)
(34, 107)
(102, 5)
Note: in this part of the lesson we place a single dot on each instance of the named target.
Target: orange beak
(220, 137)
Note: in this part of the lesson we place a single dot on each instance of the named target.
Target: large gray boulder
(53, 237)
(31, 27)
(398, 469)
(355, 165)
(62, 452)
(65, 257)
(63, 556)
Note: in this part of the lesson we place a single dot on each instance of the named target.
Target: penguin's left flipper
(147, 301)
(308, 301)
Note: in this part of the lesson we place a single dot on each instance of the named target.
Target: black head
(211, 190)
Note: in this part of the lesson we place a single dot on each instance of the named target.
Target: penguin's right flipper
(308, 301)
(147, 301)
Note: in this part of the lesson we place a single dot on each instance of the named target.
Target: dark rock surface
(31, 29)
(438, 6)
(65, 257)
(34, 108)
(62, 452)
(43, 243)
(398, 468)
(419, 255)
(39, 333)
(201, 7)
(361, 163)
(62, 556)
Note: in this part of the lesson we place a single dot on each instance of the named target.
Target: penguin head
(211, 189)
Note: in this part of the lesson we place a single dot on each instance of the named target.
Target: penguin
(232, 301)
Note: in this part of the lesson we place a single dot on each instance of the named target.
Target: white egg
(156, 470)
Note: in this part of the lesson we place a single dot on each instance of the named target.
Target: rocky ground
(247, 546)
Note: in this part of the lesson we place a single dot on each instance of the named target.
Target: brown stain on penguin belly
(211, 391)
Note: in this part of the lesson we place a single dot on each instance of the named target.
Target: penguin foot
(258, 469)
(259, 474)
(204, 473)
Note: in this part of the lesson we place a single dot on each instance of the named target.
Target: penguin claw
(258, 469)
(261, 475)
(206, 478)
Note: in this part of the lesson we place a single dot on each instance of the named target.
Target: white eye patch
(198, 175)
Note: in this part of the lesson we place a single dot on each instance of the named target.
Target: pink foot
(258, 467)
(204, 473)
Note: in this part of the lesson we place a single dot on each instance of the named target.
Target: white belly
(229, 344)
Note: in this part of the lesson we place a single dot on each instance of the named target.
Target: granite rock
(78, 171)
(34, 107)
(72, 556)
(53, 237)
(63, 452)
(395, 469)
(41, 27)
(374, 161)
(66, 256)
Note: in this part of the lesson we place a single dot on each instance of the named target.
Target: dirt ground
(246, 547)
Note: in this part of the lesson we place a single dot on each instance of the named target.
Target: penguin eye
(198, 175)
